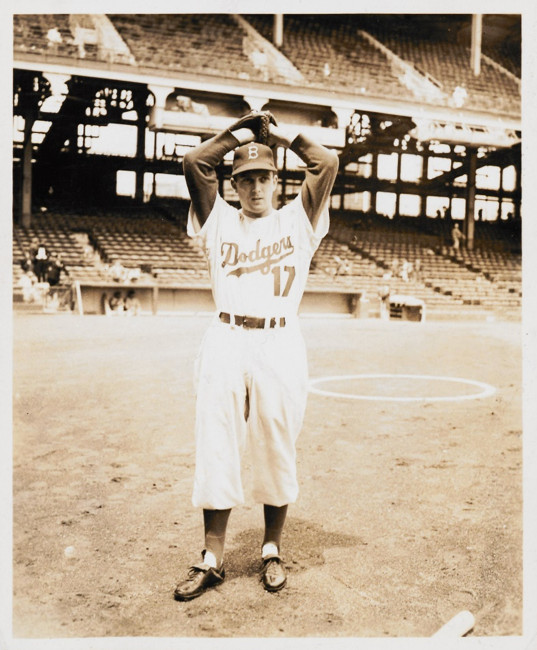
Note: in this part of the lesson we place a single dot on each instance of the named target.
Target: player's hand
(258, 122)
(267, 121)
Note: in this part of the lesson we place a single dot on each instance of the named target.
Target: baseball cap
(253, 156)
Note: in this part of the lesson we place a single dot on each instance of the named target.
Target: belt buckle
(252, 322)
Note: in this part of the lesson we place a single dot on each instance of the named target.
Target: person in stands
(132, 304)
(55, 268)
(40, 263)
(116, 303)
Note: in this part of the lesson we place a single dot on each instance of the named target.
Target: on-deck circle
(486, 390)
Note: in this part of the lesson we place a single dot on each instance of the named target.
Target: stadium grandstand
(424, 112)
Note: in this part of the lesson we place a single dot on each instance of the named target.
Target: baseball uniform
(251, 372)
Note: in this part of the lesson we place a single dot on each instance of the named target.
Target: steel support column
(469, 219)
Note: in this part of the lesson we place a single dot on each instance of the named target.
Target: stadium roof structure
(367, 63)
(126, 47)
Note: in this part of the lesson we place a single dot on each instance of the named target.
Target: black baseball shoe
(273, 574)
(200, 578)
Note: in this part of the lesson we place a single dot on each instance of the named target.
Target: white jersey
(259, 266)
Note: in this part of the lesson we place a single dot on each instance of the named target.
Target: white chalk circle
(484, 390)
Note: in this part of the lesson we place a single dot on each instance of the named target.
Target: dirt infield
(409, 511)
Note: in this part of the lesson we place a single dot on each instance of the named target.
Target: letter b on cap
(253, 152)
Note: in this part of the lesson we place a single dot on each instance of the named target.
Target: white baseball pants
(252, 387)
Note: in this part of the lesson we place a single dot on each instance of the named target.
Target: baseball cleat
(273, 573)
(200, 578)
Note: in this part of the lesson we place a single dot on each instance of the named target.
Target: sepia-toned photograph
(268, 333)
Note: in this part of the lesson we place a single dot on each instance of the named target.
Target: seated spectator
(54, 38)
(34, 245)
(55, 268)
(132, 304)
(88, 251)
(406, 269)
(117, 271)
(458, 97)
(416, 271)
(342, 266)
(26, 262)
(116, 304)
(133, 275)
(27, 283)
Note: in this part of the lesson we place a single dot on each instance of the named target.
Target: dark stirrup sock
(274, 522)
(215, 524)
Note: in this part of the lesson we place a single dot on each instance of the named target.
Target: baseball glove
(264, 126)
(258, 122)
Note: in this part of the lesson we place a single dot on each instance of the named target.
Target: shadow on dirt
(303, 546)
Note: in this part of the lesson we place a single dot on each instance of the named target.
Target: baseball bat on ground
(459, 625)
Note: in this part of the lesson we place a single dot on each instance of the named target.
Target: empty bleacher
(195, 43)
(349, 260)
(333, 55)
(31, 34)
(448, 62)
(507, 55)
(488, 279)
(137, 238)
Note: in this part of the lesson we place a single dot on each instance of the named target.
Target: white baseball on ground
(69, 551)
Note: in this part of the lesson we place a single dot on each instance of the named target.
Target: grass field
(410, 509)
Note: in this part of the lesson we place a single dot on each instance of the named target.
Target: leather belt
(251, 322)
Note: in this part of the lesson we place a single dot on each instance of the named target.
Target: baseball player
(251, 371)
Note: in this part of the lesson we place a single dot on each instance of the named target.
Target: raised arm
(199, 168)
(321, 169)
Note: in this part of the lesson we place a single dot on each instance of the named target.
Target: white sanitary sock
(269, 549)
(210, 559)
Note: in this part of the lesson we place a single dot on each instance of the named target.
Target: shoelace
(272, 569)
(193, 572)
